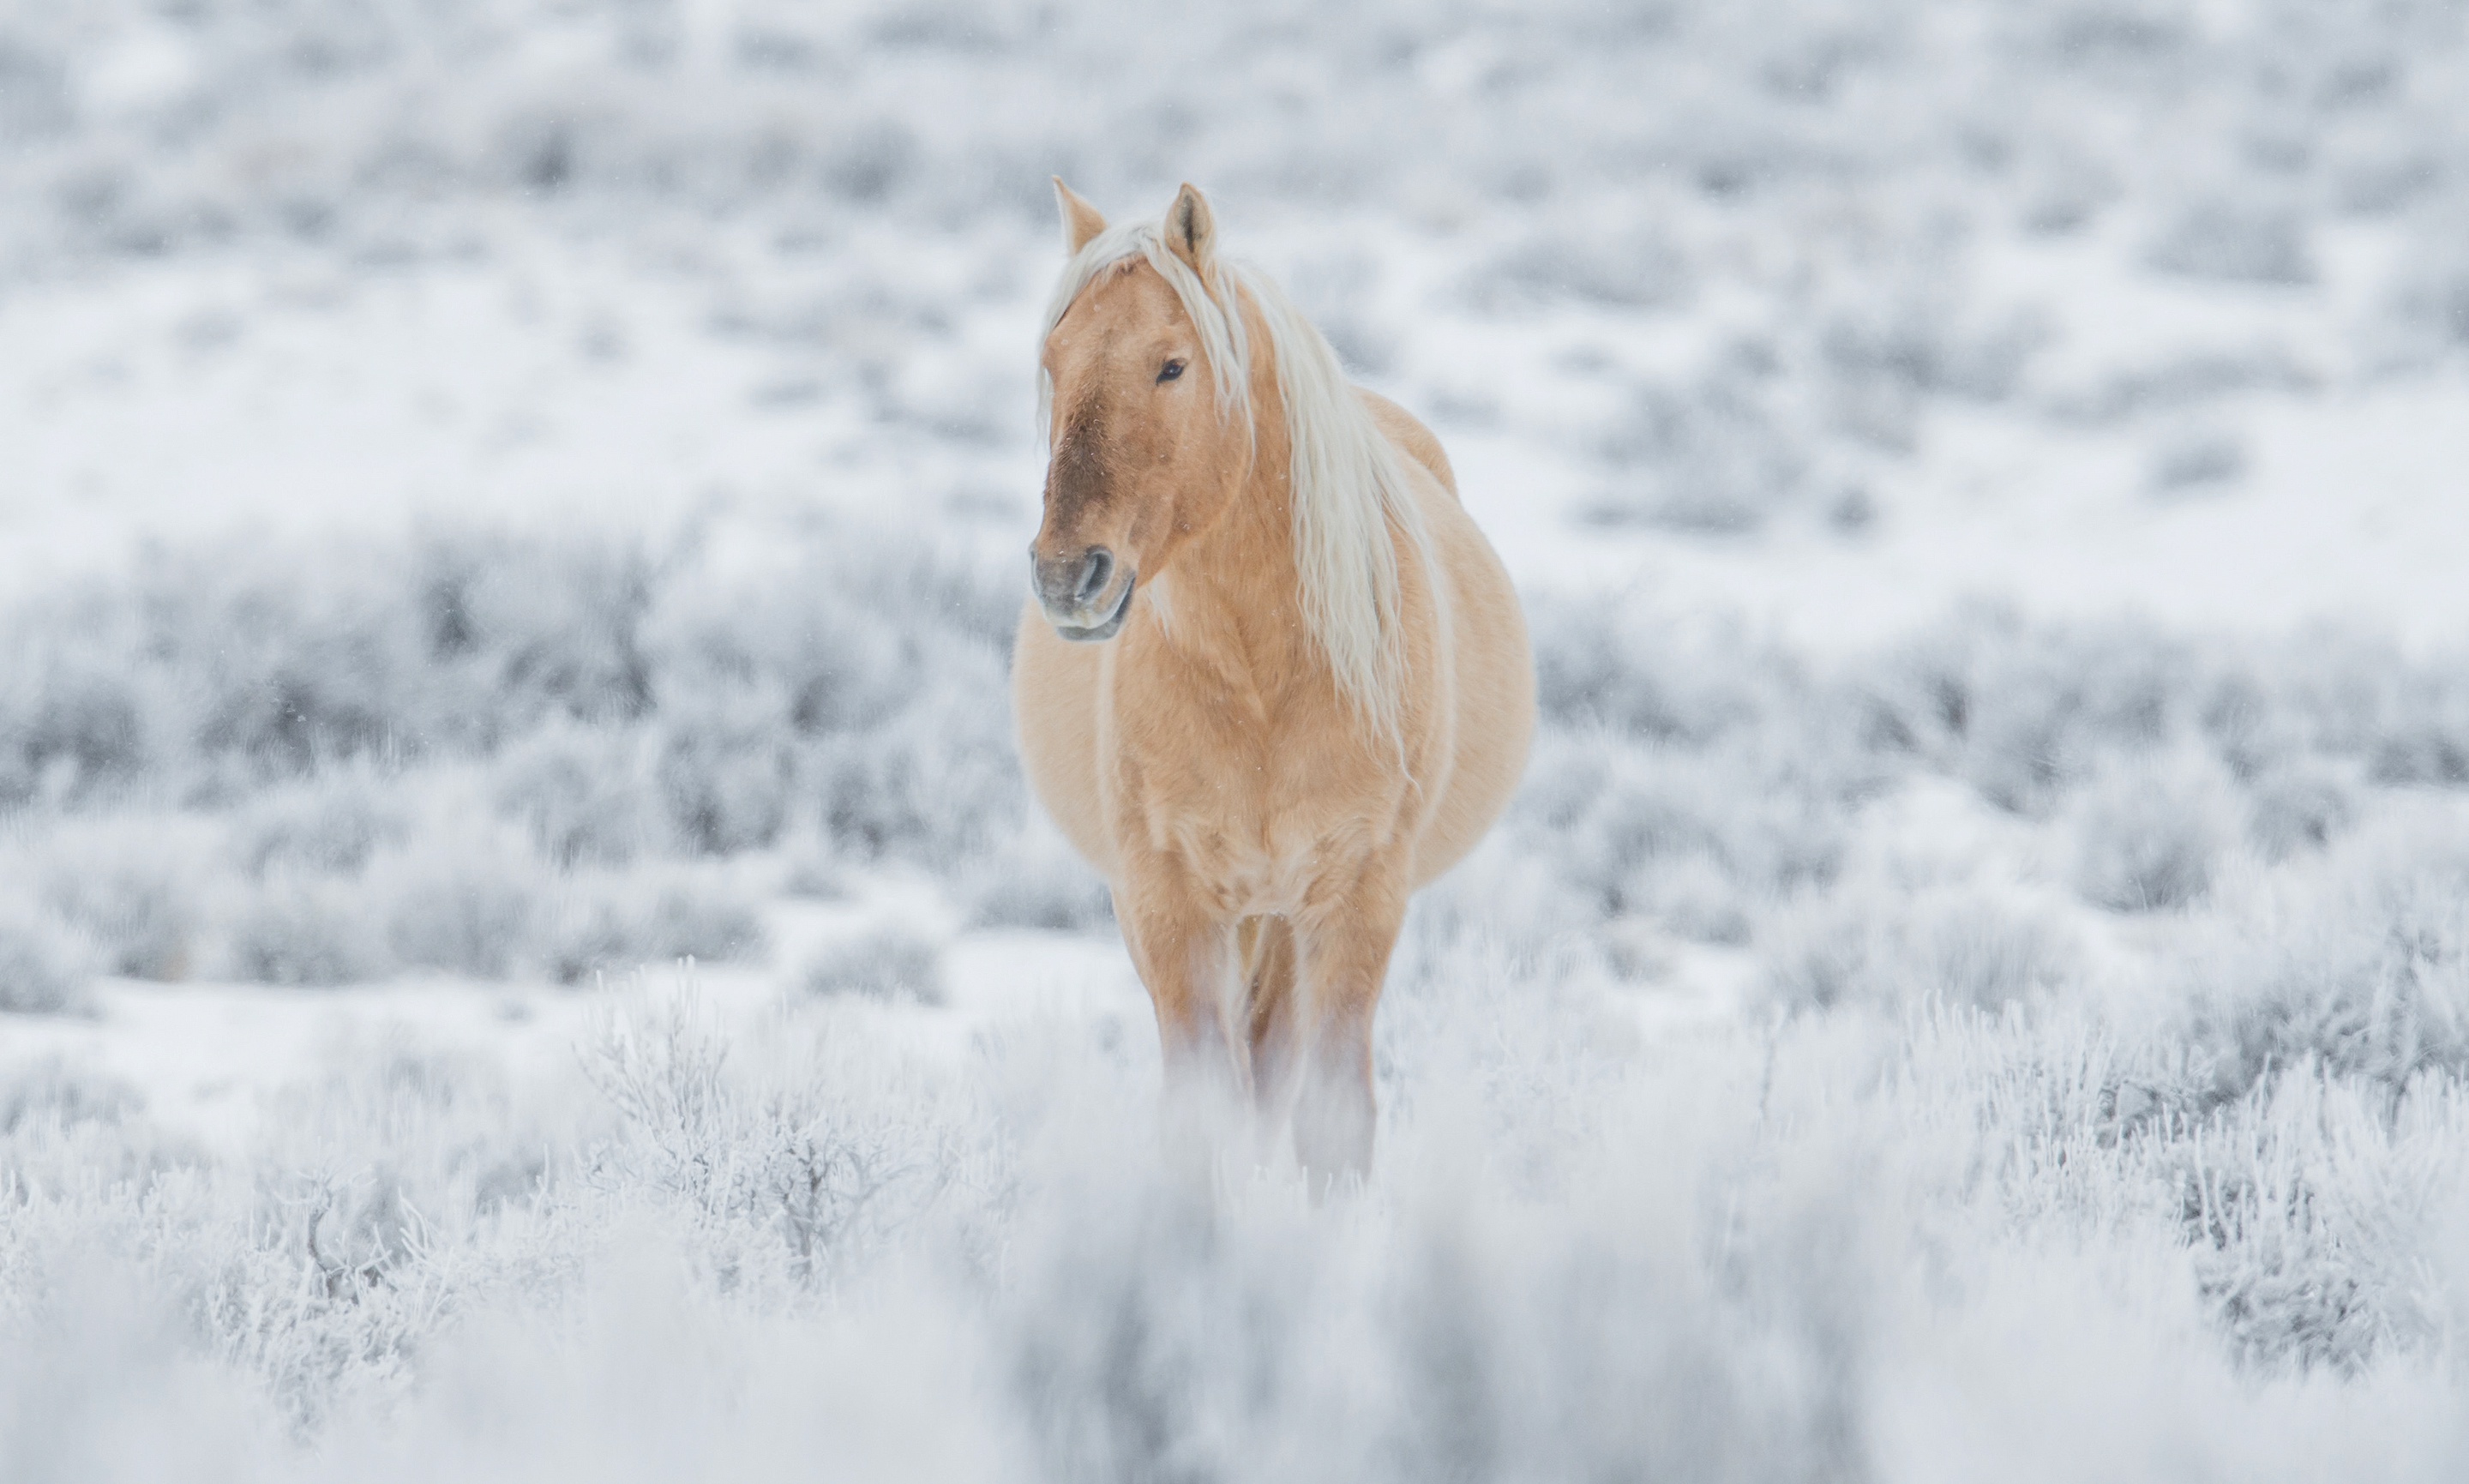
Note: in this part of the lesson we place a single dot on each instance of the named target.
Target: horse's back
(1412, 438)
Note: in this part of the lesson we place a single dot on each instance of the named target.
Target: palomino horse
(1272, 679)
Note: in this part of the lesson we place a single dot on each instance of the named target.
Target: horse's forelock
(1212, 307)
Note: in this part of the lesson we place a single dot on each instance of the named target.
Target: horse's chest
(1255, 807)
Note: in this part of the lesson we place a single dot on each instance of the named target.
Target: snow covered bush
(2360, 967)
(2298, 808)
(1033, 878)
(461, 902)
(296, 930)
(2026, 714)
(132, 886)
(1896, 950)
(612, 923)
(53, 1089)
(2239, 241)
(2423, 735)
(328, 824)
(584, 794)
(46, 967)
(2151, 835)
(890, 961)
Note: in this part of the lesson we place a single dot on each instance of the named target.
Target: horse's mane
(1352, 497)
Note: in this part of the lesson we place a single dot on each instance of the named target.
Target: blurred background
(1998, 287)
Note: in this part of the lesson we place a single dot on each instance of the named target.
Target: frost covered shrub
(1658, 678)
(1716, 455)
(2026, 714)
(2422, 736)
(726, 773)
(130, 885)
(2297, 808)
(2233, 239)
(329, 825)
(2150, 836)
(1634, 827)
(796, 1157)
(2361, 969)
(287, 668)
(51, 1088)
(890, 961)
(1894, 949)
(2307, 1258)
(584, 794)
(613, 923)
(1922, 341)
(526, 628)
(1033, 878)
(73, 724)
(295, 930)
(46, 967)
(465, 905)
(1633, 269)
(2430, 297)
(2196, 462)
(929, 786)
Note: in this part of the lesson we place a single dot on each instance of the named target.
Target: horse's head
(1147, 452)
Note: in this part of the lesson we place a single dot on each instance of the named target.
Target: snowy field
(525, 953)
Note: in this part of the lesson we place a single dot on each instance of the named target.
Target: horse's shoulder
(1411, 436)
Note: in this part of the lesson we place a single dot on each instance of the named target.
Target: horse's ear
(1192, 232)
(1081, 222)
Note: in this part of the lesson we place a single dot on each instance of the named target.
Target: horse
(1271, 679)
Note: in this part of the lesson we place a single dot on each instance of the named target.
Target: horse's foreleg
(1344, 950)
(1275, 1017)
(1185, 958)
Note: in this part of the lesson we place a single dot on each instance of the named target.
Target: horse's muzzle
(1079, 594)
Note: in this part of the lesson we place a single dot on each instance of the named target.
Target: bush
(612, 924)
(891, 960)
(1716, 455)
(931, 785)
(129, 885)
(726, 773)
(2148, 837)
(2422, 735)
(2026, 714)
(303, 931)
(1033, 878)
(2235, 241)
(46, 968)
(466, 906)
(2297, 808)
(50, 1088)
(584, 794)
(1897, 950)
(2360, 967)
(327, 826)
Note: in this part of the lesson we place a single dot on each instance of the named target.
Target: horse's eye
(1173, 369)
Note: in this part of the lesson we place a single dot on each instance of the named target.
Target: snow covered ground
(525, 951)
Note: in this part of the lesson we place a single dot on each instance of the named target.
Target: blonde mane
(1352, 497)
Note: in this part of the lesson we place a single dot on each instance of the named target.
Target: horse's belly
(1494, 693)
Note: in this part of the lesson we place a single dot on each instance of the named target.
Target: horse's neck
(1235, 600)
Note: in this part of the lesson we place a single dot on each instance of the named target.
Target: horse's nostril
(1094, 571)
